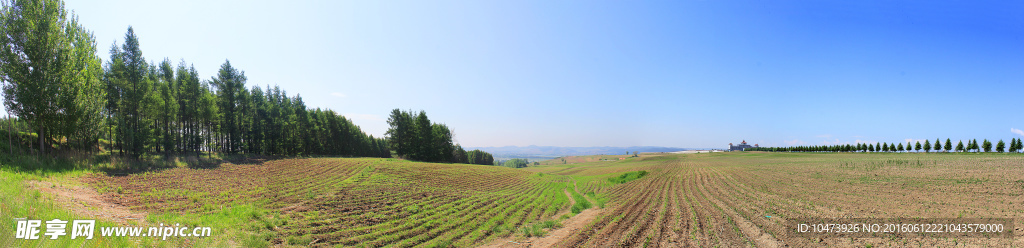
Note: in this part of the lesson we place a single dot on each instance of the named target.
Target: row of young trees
(54, 81)
(413, 136)
(1015, 145)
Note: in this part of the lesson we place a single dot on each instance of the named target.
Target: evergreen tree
(424, 138)
(987, 145)
(168, 108)
(885, 147)
(927, 146)
(1000, 146)
(960, 146)
(443, 145)
(129, 72)
(948, 146)
(401, 135)
(229, 83)
(917, 146)
(900, 147)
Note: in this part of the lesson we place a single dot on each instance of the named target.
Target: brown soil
(85, 201)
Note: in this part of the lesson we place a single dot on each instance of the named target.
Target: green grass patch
(581, 202)
(628, 176)
(17, 200)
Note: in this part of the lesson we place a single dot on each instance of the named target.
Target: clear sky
(615, 73)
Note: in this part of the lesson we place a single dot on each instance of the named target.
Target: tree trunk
(42, 149)
(10, 135)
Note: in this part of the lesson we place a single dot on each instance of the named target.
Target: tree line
(413, 136)
(55, 83)
(1015, 145)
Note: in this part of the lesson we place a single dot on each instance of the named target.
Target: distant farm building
(740, 147)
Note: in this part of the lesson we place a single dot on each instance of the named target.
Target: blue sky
(615, 73)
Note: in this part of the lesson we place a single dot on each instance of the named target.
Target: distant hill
(535, 153)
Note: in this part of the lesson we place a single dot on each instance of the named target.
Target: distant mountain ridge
(558, 151)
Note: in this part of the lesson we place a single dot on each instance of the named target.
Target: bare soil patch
(88, 202)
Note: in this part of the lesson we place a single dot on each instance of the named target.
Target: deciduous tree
(51, 70)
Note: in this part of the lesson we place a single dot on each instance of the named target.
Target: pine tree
(917, 147)
(900, 147)
(136, 94)
(424, 138)
(1000, 146)
(987, 145)
(230, 83)
(948, 146)
(960, 146)
(927, 146)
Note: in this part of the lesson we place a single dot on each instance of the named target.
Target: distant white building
(743, 145)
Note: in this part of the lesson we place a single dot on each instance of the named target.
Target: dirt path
(569, 227)
(85, 201)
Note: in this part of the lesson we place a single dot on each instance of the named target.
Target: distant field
(724, 199)
(733, 199)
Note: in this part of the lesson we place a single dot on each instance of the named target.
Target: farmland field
(735, 199)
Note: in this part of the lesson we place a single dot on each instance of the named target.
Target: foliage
(51, 70)
(987, 146)
(57, 86)
(479, 157)
(516, 163)
(415, 137)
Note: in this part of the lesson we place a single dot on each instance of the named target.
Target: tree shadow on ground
(59, 162)
(121, 166)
